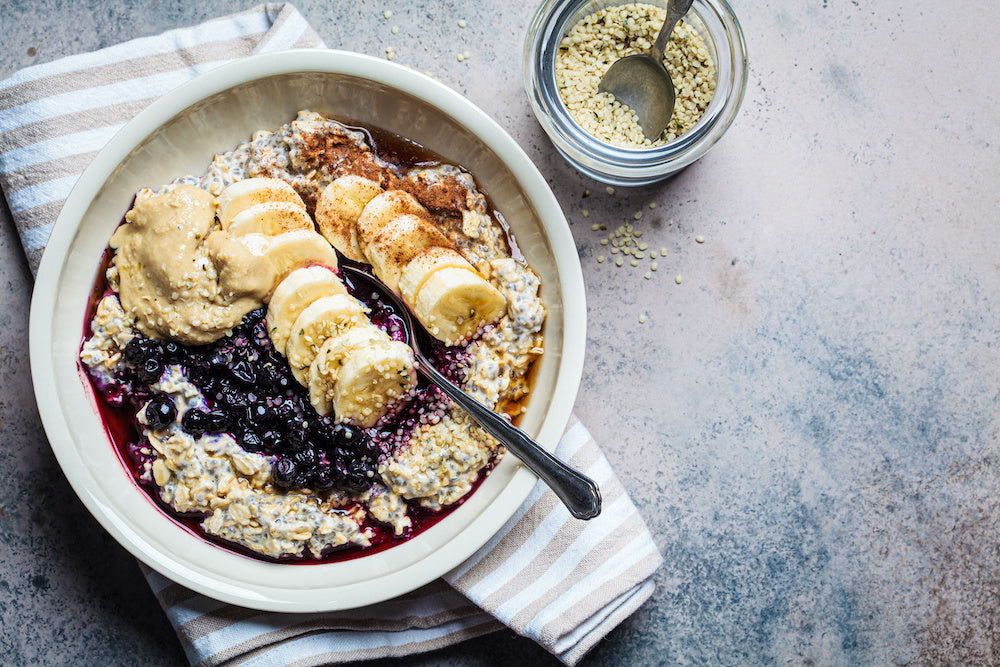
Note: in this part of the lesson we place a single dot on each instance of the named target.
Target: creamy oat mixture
(433, 454)
(602, 38)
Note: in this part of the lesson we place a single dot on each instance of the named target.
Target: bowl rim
(55, 417)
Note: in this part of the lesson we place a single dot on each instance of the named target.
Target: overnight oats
(268, 402)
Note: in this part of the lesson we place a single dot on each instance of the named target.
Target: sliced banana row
(360, 374)
(269, 217)
(393, 232)
(338, 210)
(351, 367)
(248, 193)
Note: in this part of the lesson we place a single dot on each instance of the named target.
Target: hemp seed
(600, 39)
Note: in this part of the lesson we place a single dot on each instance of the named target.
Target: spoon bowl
(642, 82)
(577, 492)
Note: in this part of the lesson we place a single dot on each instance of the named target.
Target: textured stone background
(808, 420)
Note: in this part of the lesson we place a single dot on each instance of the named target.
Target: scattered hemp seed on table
(625, 242)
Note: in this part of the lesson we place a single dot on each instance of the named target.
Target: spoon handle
(578, 493)
(675, 11)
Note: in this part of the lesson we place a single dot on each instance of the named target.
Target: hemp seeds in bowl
(572, 43)
(608, 35)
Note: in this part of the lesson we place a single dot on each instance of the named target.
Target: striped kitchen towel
(562, 582)
(55, 117)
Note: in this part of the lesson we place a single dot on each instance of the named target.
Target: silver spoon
(643, 83)
(578, 493)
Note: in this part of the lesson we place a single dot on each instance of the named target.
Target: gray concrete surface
(808, 421)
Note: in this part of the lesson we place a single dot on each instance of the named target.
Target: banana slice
(383, 208)
(257, 244)
(241, 195)
(403, 238)
(270, 218)
(333, 353)
(337, 211)
(300, 288)
(324, 318)
(371, 380)
(426, 262)
(453, 304)
(300, 247)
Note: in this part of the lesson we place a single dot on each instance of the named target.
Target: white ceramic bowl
(179, 134)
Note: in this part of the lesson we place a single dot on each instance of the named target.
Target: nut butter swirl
(180, 277)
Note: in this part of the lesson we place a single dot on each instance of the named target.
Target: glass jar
(717, 25)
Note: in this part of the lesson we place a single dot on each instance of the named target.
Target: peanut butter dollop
(180, 277)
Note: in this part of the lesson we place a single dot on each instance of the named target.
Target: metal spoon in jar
(578, 493)
(643, 83)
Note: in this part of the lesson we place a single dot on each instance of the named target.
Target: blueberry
(251, 441)
(198, 373)
(139, 349)
(267, 416)
(349, 436)
(221, 359)
(273, 441)
(306, 457)
(323, 478)
(217, 422)
(160, 411)
(133, 353)
(295, 437)
(357, 479)
(281, 385)
(149, 371)
(243, 371)
(322, 433)
(268, 374)
(283, 472)
(284, 412)
(255, 413)
(195, 422)
(233, 398)
(172, 352)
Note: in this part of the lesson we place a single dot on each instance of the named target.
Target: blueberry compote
(252, 395)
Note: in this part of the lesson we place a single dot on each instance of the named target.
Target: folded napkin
(562, 582)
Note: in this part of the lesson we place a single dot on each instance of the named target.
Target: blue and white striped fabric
(564, 583)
